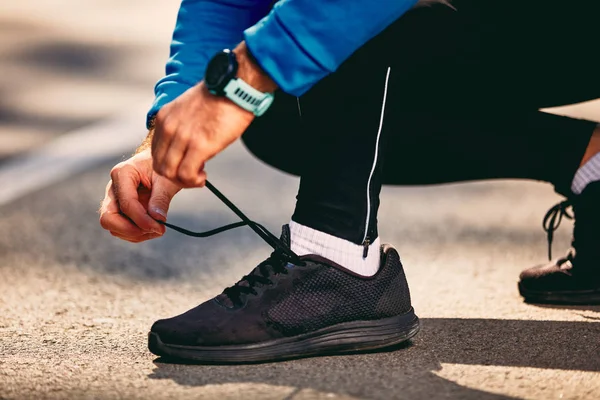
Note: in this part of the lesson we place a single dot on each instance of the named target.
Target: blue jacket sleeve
(203, 28)
(302, 41)
(298, 43)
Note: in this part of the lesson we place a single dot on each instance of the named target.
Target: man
(442, 91)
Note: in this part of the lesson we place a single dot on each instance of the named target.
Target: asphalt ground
(77, 303)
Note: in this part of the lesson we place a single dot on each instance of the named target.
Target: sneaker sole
(342, 338)
(574, 297)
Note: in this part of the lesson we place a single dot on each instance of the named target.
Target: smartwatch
(221, 80)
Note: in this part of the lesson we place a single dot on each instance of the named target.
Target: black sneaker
(285, 310)
(575, 278)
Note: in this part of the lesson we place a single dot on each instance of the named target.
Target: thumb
(162, 193)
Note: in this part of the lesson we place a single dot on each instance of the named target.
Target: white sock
(305, 240)
(586, 174)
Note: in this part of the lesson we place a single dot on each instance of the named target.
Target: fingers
(138, 239)
(163, 191)
(191, 130)
(124, 210)
(126, 180)
(119, 225)
(181, 152)
(109, 203)
(183, 167)
(191, 170)
(172, 159)
(112, 220)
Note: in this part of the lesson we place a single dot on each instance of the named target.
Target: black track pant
(447, 93)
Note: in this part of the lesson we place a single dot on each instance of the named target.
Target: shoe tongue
(285, 235)
(285, 238)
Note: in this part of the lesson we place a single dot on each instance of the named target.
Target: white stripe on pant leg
(387, 77)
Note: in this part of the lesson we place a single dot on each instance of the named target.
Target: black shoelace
(260, 275)
(281, 256)
(551, 222)
(553, 219)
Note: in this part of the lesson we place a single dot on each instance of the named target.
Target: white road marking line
(71, 153)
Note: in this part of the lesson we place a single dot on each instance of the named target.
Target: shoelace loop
(281, 249)
(553, 219)
(260, 275)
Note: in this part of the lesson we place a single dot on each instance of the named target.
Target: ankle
(306, 240)
(593, 146)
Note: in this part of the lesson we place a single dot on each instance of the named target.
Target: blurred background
(65, 64)
(76, 304)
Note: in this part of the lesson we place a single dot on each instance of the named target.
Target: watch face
(220, 70)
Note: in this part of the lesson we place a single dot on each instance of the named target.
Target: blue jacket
(297, 42)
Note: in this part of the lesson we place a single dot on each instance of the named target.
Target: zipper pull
(366, 244)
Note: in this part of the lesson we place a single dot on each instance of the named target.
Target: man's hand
(191, 130)
(198, 125)
(135, 197)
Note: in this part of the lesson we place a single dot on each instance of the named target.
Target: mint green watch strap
(247, 97)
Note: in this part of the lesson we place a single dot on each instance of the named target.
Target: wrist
(147, 143)
(222, 103)
(250, 72)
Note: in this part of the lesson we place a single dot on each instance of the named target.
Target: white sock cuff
(306, 240)
(314, 239)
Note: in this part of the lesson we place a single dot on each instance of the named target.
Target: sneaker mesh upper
(329, 296)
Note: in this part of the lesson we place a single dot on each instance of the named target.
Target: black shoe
(575, 278)
(283, 310)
